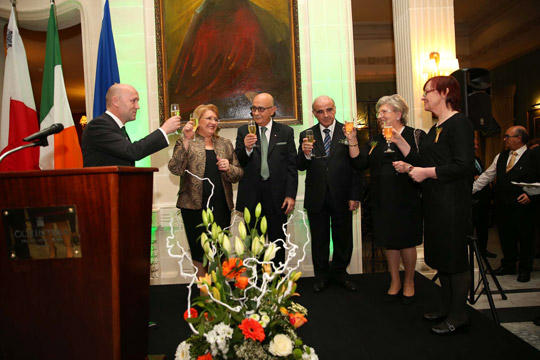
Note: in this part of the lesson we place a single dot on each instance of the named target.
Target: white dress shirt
(491, 172)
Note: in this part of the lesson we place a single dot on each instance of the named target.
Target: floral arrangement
(245, 309)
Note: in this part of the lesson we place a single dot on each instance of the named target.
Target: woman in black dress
(207, 155)
(445, 168)
(395, 199)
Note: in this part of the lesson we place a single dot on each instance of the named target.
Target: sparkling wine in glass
(309, 136)
(387, 132)
(349, 125)
(175, 110)
(252, 128)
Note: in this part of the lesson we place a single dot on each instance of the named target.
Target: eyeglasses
(506, 136)
(383, 112)
(259, 108)
(428, 91)
(211, 118)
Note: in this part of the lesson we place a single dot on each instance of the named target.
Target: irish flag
(64, 150)
(19, 117)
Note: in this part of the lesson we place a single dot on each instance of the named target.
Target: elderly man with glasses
(513, 212)
(268, 158)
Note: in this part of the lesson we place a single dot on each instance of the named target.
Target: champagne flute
(252, 128)
(175, 111)
(387, 132)
(309, 136)
(349, 125)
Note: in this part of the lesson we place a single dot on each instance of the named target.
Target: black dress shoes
(446, 328)
(435, 316)
(349, 285)
(503, 270)
(319, 286)
(524, 276)
(389, 298)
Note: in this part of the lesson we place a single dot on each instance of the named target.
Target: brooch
(373, 144)
(438, 131)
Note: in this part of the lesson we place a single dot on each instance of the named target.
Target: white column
(420, 27)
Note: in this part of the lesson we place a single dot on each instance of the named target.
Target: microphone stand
(41, 142)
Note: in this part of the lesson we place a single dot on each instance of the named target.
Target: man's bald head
(123, 101)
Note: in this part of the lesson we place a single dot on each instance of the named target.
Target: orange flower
(252, 329)
(193, 312)
(241, 282)
(206, 279)
(205, 357)
(297, 320)
(233, 267)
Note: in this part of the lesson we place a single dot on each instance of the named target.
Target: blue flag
(107, 67)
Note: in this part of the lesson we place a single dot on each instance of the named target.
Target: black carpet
(361, 325)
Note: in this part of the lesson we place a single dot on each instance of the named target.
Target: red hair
(441, 83)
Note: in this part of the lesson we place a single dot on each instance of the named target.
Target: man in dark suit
(105, 141)
(513, 211)
(332, 193)
(482, 207)
(270, 177)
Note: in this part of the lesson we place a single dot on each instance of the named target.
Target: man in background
(513, 210)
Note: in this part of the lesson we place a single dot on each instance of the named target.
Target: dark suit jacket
(104, 144)
(524, 170)
(334, 172)
(281, 162)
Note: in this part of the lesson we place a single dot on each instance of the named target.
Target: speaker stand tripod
(483, 264)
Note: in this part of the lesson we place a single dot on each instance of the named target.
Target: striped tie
(327, 141)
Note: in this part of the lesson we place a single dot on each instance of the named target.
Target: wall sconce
(436, 66)
(361, 121)
(536, 106)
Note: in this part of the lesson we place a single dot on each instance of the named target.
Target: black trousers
(275, 218)
(516, 231)
(339, 219)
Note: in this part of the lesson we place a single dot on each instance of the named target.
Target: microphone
(53, 129)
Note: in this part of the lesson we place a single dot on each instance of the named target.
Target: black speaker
(475, 86)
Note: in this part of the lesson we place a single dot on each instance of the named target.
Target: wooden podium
(94, 306)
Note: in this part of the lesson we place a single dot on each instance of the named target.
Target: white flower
(255, 317)
(309, 353)
(265, 319)
(281, 345)
(182, 352)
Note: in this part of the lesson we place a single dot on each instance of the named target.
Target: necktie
(327, 141)
(265, 171)
(478, 167)
(512, 161)
(125, 133)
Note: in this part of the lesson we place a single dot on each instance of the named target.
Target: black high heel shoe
(392, 297)
(407, 300)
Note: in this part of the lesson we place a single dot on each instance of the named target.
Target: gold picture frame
(225, 52)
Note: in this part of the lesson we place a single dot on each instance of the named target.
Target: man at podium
(105, 141)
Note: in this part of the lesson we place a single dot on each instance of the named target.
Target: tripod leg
(480, 258)
(495, 280)
(471, 269)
